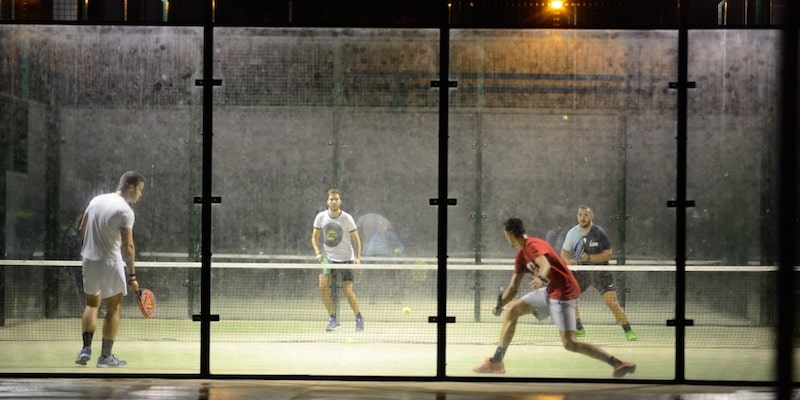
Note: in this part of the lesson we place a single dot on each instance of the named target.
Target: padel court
(438, 134)
(273, 323)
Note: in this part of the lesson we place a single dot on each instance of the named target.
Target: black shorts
(345, 274)
(603, 281)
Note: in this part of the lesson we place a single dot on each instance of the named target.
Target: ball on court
(406, 311)
(565, 117)
(349, 340)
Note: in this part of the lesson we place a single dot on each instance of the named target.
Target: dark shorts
(603, 281)
(345, 274)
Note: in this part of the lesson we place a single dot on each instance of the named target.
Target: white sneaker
(110, 362)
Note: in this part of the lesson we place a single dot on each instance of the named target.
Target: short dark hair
(514, 226)
(333, 191)
(130, 179)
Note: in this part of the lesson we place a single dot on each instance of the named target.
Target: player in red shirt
(555, 293)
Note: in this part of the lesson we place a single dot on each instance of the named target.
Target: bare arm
(565, 256)
(82, 225)
(128, 250)
(129, 256)
(544, 269)
(513, 288)
(315, 243)
(356, 238)
(601, 257)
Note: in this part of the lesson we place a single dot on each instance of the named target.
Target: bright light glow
(556, 4)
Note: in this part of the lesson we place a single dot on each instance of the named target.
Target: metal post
(205, 240)
(787, 231)
(680, 209)
(444, 72)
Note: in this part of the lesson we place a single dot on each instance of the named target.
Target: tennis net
(275, 298)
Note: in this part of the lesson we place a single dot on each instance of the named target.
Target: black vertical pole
(680, 209)
(444, 72)
(787, 205)
(205, 240)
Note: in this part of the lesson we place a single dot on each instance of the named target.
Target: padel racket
(498, 308)
(147, 302)
(580, 248)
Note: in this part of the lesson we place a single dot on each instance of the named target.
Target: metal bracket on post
(214, 82)
(447, 320)
(674, 203)
(689, 85)
(674, 322)
(212, 200)
(438, 84)
(212, 318)
(435, 202)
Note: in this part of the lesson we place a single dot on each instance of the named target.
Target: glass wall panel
(301, 111)
(80, 106)
(731, 243)
(541, 123)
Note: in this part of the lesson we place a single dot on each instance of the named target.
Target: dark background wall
(565, 118)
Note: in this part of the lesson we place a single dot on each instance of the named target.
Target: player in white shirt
(341, 244)
(108, 249)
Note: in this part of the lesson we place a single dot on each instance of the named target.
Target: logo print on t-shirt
(333, 234)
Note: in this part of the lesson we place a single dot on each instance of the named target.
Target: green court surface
(384, 349)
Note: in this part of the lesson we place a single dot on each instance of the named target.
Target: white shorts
(104, 278)
(563, 313)
(539, 301)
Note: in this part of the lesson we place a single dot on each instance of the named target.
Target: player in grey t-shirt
(588, 244)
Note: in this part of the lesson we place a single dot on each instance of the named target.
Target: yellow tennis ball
(406, 311)
(349, 340)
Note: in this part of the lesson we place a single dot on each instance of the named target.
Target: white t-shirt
(337, 244)
(106, 215)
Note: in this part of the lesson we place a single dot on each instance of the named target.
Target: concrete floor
(179, 389)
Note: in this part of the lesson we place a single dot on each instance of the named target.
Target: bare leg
(571, 343)
(514, 310)
(347, 286)
(611, 302)
(113, 312)
(89, 317)
(325, 290)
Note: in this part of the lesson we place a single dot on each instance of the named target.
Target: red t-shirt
(563, 285)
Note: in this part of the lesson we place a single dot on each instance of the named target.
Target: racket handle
(498, 308)
(325, 269)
